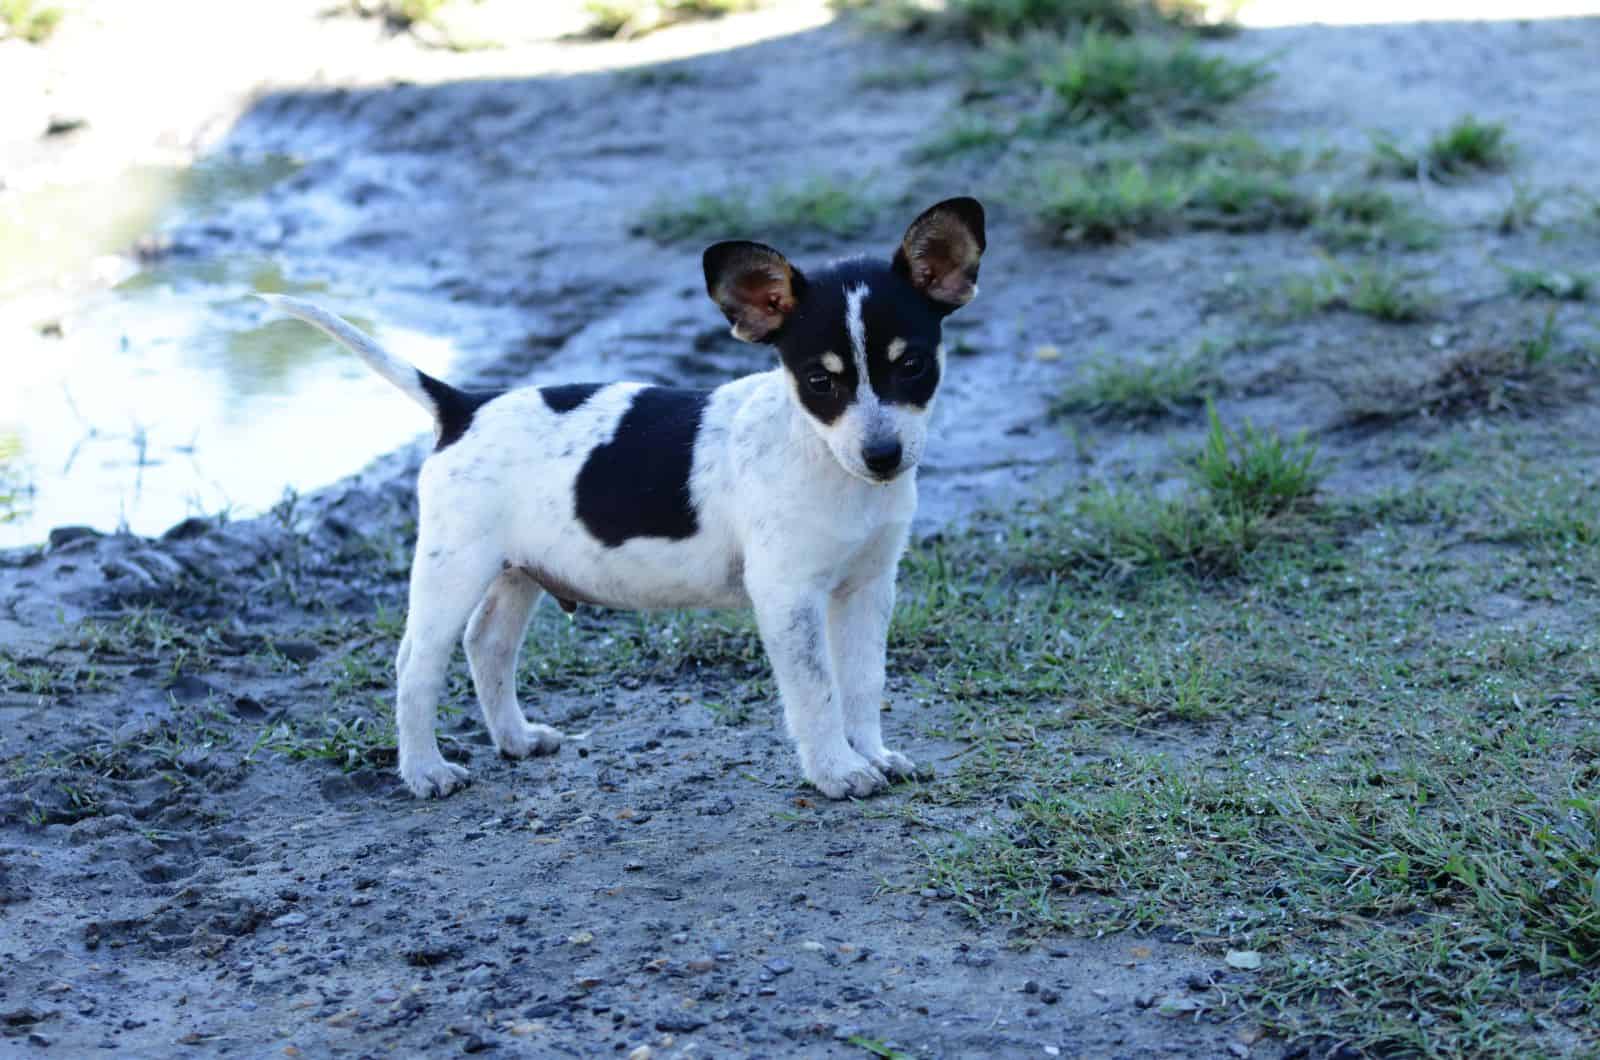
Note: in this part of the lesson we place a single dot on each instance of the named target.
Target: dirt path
(185, 862)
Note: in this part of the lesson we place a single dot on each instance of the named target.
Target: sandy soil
(664, 882)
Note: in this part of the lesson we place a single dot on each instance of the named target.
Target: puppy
(789, 491)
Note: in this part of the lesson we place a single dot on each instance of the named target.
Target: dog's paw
(433, 777)
(891, 764)
(528, 738)
(844, 777)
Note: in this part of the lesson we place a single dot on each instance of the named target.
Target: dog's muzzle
(882, 458)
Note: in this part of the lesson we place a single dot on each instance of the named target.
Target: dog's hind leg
(443, 595)
(493, 641)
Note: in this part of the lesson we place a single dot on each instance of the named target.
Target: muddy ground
(190, 855)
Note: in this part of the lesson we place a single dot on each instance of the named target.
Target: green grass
(877, 1048)
(968, 133)
(1232, 183)
(916, 73)
(1141, 391)
(1244, 200)
(1132, 83)
(29, 20)
(1402, 824)
(361, 741)
(1468, 146)
(1251, 490)
(1377, 291)
(1370, 219)
(820, 204)
(632, 18)
(1254, 472)
(1109, 204)
(980, 20)
(14, 481)
(1549, 283)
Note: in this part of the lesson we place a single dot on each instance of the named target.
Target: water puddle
(136, 396)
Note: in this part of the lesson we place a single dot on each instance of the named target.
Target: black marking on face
(889, 315)
(637, 484)
(453, 409)
(568, 396)
(891, 309)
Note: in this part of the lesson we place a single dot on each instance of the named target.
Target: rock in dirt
(679, 1023)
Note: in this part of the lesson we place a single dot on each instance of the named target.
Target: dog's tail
(418, 385)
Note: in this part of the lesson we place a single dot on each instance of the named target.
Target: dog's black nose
(882, 458)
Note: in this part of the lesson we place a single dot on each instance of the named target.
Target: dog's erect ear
(755, 287)
(940, 251)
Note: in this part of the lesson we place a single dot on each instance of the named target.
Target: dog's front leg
(858, 630)
(794, 629)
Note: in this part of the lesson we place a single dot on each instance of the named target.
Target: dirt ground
(183, 864)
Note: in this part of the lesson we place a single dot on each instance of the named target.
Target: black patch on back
(568, 396)
(637, 484)
(453, 409)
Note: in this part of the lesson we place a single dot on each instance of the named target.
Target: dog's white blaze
(897, 347)
(857, 328)
(833, 363)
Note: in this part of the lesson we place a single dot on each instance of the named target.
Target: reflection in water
(173, 392)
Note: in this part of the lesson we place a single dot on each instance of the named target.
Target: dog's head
(860, 340)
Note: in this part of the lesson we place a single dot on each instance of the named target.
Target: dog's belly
(642, 575)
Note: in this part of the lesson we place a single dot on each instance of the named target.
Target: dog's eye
(819, 383)
(911, 365)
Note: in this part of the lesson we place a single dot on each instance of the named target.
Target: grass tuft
(1251, 488)
(1371, 219)
(1549, 283)
(981, 20)
(1231, 183)
(820, 204)
(1132, 83)
(1466, 147)
(14, 485)
(29, 20)
(913, 74)
(1108, 205)
(968, 133)
(1118, 390)
(1255, 473)
(1380, 292)
(625, 19)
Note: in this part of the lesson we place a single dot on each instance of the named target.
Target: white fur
(789, 524)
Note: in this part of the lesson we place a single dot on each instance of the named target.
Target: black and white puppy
(790, 491)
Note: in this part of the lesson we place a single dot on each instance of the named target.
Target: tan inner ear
(943, 259)
(757, 299)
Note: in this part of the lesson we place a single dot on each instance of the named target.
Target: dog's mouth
(874, 478)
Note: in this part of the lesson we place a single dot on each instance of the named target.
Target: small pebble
(290, 920)
(779, 966)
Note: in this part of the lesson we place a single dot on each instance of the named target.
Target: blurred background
(161, 160)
